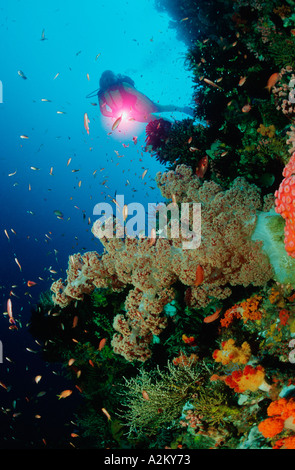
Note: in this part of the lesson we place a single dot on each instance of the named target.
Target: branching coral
(211, 409)
(154, 399)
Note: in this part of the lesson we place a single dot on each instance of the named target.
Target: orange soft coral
(281, 414)
(250, 308)
(285, 204)
(283, 407)
(270, 427)
(247, 310)
(250, 378)
(230, 315)
(286, 443)
(230, 353)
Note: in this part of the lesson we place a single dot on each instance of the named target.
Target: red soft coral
(250, 378)
(285, 204)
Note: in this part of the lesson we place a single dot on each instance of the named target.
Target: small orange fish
(145, 395)
(153, 237)
(125, 212)
(246, 108)
(75, 321)
(202, 166)
(86, 122)
(199, 276)
(242, 81)
(106, 413)
(272, 81)
(116, 123)
(209, 82)
(31, 283)
(102, 343)
(65, 394)
(18, 263)
(9, 310)
(212, 317)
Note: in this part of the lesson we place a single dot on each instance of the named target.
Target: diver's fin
(188, 110)
(159, 115)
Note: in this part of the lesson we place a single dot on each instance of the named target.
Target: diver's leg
(168, 108)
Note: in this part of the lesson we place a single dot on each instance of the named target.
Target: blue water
(128, 37)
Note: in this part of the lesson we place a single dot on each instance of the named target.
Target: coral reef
(188, 340)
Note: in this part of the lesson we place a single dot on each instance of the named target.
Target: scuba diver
(117, 95)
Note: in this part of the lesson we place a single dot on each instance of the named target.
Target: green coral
(214, 408)
(99, 298)
(154, 399)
